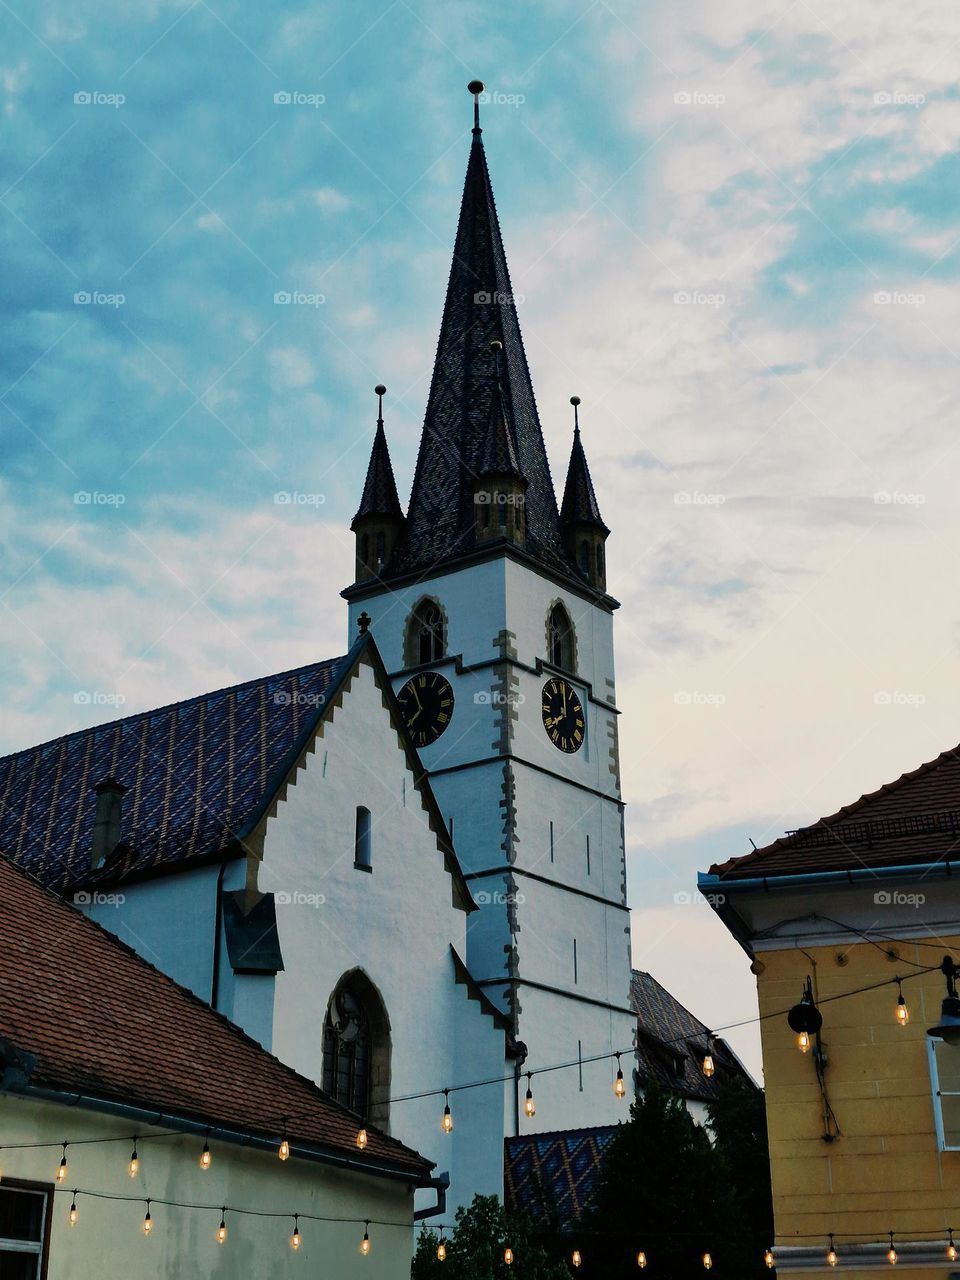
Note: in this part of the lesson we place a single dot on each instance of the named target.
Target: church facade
(400, 870)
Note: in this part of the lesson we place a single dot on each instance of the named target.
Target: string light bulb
(707, 1262)
(133, 1168)
(832, 1258)
(708, 1064)
(283, 1151)
(529, 1106)
(903, 1013)
(365, 1242)
(769, 1259)
(619, 1088)
(892, 1256)
(62, 1167)
(952, 1253)
(72, 1216)
(206, 1158)
(641, 1259)
(147, 1221)
(296, 1239)
(446, 1123)
(222, 1229)
(508, 1256)
(362, 1140)
(441, 1248)
(575, 1258)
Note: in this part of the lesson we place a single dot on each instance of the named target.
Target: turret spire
(379, 520)
(583, 528)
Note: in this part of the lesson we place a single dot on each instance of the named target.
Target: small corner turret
(499, 486)
(584, 531)
(379, 521)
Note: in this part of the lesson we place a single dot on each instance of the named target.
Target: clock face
(563, 716)
(426, 702)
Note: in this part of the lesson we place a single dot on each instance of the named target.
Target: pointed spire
(579, 504)
(380, 488)
(480, 308)
(499, 457)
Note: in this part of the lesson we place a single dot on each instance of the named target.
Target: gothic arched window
(381, 550)
(356, 1049)
(560, 646)
(599, 559)
(426, 641)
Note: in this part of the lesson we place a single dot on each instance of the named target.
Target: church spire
(379, 520)
(480, 308)
(583, 528)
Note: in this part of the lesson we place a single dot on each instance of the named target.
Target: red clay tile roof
(915, 819)
(103, 1022)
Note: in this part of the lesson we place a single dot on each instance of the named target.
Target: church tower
(489, 606)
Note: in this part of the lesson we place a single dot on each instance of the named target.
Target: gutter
(317, 1152)
(707, 882)
(441, 1182)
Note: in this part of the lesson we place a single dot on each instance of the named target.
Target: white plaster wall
(108, 1241)
(396, 923)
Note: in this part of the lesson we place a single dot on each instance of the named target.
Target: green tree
(738, 1121)
(476, 1246)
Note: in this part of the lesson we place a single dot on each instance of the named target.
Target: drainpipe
(441, 1182)
(217, 931)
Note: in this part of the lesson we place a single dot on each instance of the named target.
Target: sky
(734, 228)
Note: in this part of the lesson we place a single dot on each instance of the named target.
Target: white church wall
(396, 923)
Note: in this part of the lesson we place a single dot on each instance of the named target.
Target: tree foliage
(476, 1246)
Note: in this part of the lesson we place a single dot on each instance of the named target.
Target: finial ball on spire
(574, 400)
(475, 87)
(380, 389)
(496, 345)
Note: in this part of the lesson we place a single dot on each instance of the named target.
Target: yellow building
(864, 1127)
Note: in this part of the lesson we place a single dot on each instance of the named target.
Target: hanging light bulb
(62, 1167)
(803, 1041)
(296, 1239)
(362, 1139)
(832, 1258)
(641, 1259)
(903, 1013)
(575, 1258)
(222, 1229)
(206, 1159)
(805, 1018)
(133, 1168)
(707, 1262)
(147, 1221)
(952, 1253)
(365, 1242)
(508, 1256)
(72, 1216)
(446, 1123)
(441, 1248)
(619, 1088)
(892, 1252)
(769, 1260)
(708, 1063)
(529, 1106)
(283, 1151)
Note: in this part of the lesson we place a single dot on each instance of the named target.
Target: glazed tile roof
(580, 504)
(915, 819)
(196, 772)
(380, 488)
(671, 1043)
(551, 1176)
(499, 456)
(103, 1022)
(479, 309)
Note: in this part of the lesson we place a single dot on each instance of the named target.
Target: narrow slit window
(362, 852)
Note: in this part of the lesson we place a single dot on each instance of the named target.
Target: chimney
(106, 822)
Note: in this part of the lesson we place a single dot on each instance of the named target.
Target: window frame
(40, 1249)
(938, 1093)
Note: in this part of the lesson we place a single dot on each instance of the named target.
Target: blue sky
(734, 227)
